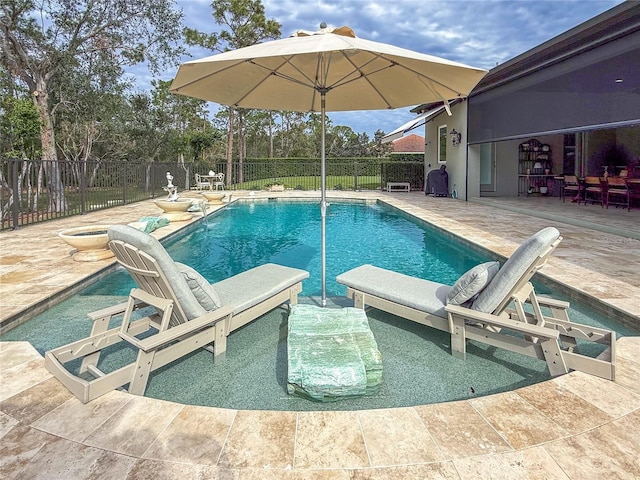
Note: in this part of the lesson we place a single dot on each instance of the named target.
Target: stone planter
(90, 242)
(175, 211)
(276, 188)
(214, 198)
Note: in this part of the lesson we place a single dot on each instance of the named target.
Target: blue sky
(480, 33)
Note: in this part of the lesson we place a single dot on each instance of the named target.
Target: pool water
(418, 366)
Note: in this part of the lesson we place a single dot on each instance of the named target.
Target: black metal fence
(33, 191)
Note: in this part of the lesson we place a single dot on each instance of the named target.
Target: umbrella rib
(286, 77)
(428, 83)
(366, 77)
(431, 81)
(195, 80)
(392, 63)
(316, 85)
(270, 73)
(275, 72)
(310, 83)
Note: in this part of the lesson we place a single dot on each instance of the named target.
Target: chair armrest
(552, 302)
(172, 334)
(525, 328)
(114, 310)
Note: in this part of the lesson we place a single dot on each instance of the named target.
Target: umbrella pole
(323, 199)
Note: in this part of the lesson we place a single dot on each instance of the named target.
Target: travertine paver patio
(575, 426)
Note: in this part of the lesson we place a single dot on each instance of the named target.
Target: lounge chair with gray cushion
(187, 313)
(487, 304)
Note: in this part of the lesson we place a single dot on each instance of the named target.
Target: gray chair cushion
(149, 245)
(423, 295)
(514, 268)
(472, 282)
(251, 287)
(200, 287)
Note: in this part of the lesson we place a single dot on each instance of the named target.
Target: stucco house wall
(456, 155)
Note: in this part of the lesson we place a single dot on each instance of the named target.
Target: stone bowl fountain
(90, 242)
(175, 210)
(213, 197)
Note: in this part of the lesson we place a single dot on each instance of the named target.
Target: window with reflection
(442, 144)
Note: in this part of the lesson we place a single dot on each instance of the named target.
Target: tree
(377, 148)
(346, 143)
(19, 130)
(185, 124)
(90, 107)
(19, 126)
(40, 40)
(243, 23)
(259, 126)
(314, 127)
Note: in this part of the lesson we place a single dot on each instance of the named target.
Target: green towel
(153, 223)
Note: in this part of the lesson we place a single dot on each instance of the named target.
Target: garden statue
(171, 189)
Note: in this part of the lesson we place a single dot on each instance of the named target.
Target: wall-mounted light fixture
(456, 137)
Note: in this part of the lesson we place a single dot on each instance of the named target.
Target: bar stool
(617, 190)
(592, 187)
(571, 184)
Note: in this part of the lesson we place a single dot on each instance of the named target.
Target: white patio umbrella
(327, 70)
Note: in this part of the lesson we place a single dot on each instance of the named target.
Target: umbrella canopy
(327, 70)
(356, 74)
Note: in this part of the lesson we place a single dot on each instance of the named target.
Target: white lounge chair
(189, 313)
(487, 305)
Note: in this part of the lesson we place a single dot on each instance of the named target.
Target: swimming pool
(418, 366)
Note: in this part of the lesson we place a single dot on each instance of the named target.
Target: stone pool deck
(573, 427)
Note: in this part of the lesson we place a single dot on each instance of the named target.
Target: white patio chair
(201, 183)
(218, 182)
